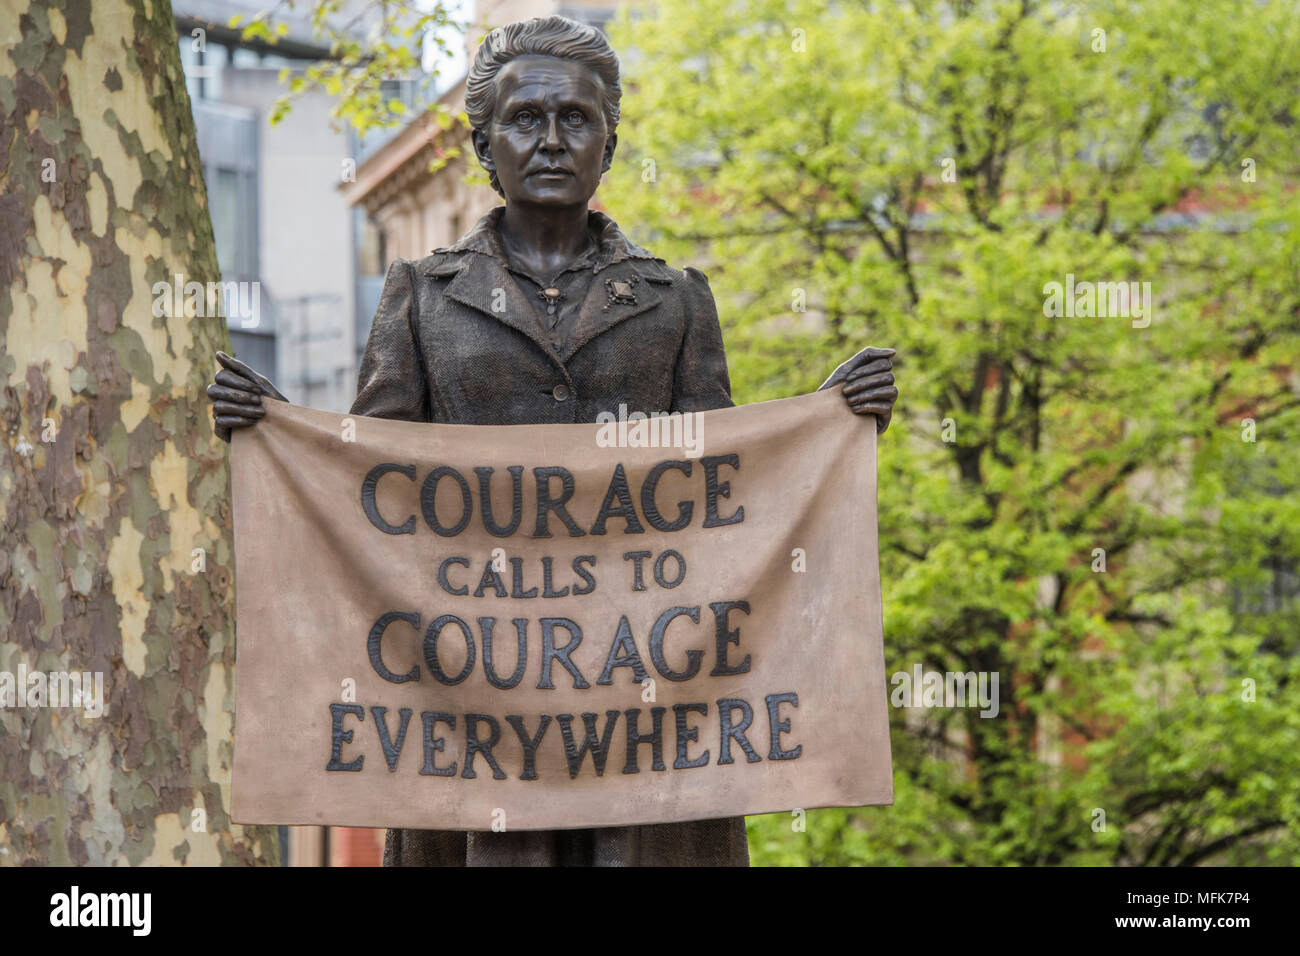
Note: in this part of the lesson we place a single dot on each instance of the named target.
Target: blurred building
(278, 217)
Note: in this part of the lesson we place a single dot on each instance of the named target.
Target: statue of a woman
(543, 313)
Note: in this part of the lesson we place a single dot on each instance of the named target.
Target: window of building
(223, 201)
(242, 58)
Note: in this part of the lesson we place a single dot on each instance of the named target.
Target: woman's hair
(540, 36)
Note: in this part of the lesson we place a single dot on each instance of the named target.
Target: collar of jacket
(612, 245)
(476, 265)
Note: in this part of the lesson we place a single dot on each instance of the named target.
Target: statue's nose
(551, 141)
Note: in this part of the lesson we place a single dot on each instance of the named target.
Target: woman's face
(547, 140)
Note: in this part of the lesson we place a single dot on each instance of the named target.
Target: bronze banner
(537, 627)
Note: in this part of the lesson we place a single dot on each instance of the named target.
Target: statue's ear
(483, 149)
(611, 142)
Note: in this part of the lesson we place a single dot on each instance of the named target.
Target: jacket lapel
(481, 283)
(601, 311)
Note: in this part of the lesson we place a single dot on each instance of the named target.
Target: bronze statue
(545, 312)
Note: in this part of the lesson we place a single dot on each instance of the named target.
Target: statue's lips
(551, 171)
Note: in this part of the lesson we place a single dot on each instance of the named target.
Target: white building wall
(305, 227)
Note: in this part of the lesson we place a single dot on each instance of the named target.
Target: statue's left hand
(868, 384)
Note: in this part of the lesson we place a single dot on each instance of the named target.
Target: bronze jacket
(455, 340)
(645, 335)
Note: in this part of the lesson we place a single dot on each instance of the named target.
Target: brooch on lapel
(620, 291)
(551, 297)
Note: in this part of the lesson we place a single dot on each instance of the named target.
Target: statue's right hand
(236, 396)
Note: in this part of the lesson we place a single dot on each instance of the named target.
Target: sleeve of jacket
(700, 380)
(392, 382)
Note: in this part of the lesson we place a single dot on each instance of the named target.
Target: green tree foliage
(369, 44)
(918, 172)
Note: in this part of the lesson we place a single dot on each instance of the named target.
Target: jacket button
(561, 392)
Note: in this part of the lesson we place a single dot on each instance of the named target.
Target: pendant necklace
(552, 297)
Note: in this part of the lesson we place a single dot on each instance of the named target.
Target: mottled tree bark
(116, 551)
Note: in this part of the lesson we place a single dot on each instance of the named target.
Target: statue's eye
(525, 118)
(575, 117)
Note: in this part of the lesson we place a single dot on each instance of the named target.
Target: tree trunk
(117, 548)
